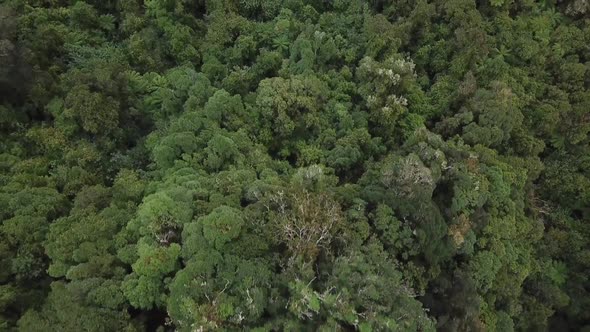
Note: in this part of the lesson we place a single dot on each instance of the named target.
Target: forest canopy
(294, 165)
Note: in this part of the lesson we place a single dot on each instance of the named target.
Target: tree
(294, 165)
(77, 306)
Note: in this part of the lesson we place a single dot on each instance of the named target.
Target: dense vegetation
(294, 165)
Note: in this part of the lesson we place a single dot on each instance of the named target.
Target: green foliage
(221, 226)
(158, 212)
(74, 306)
(294, 165)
